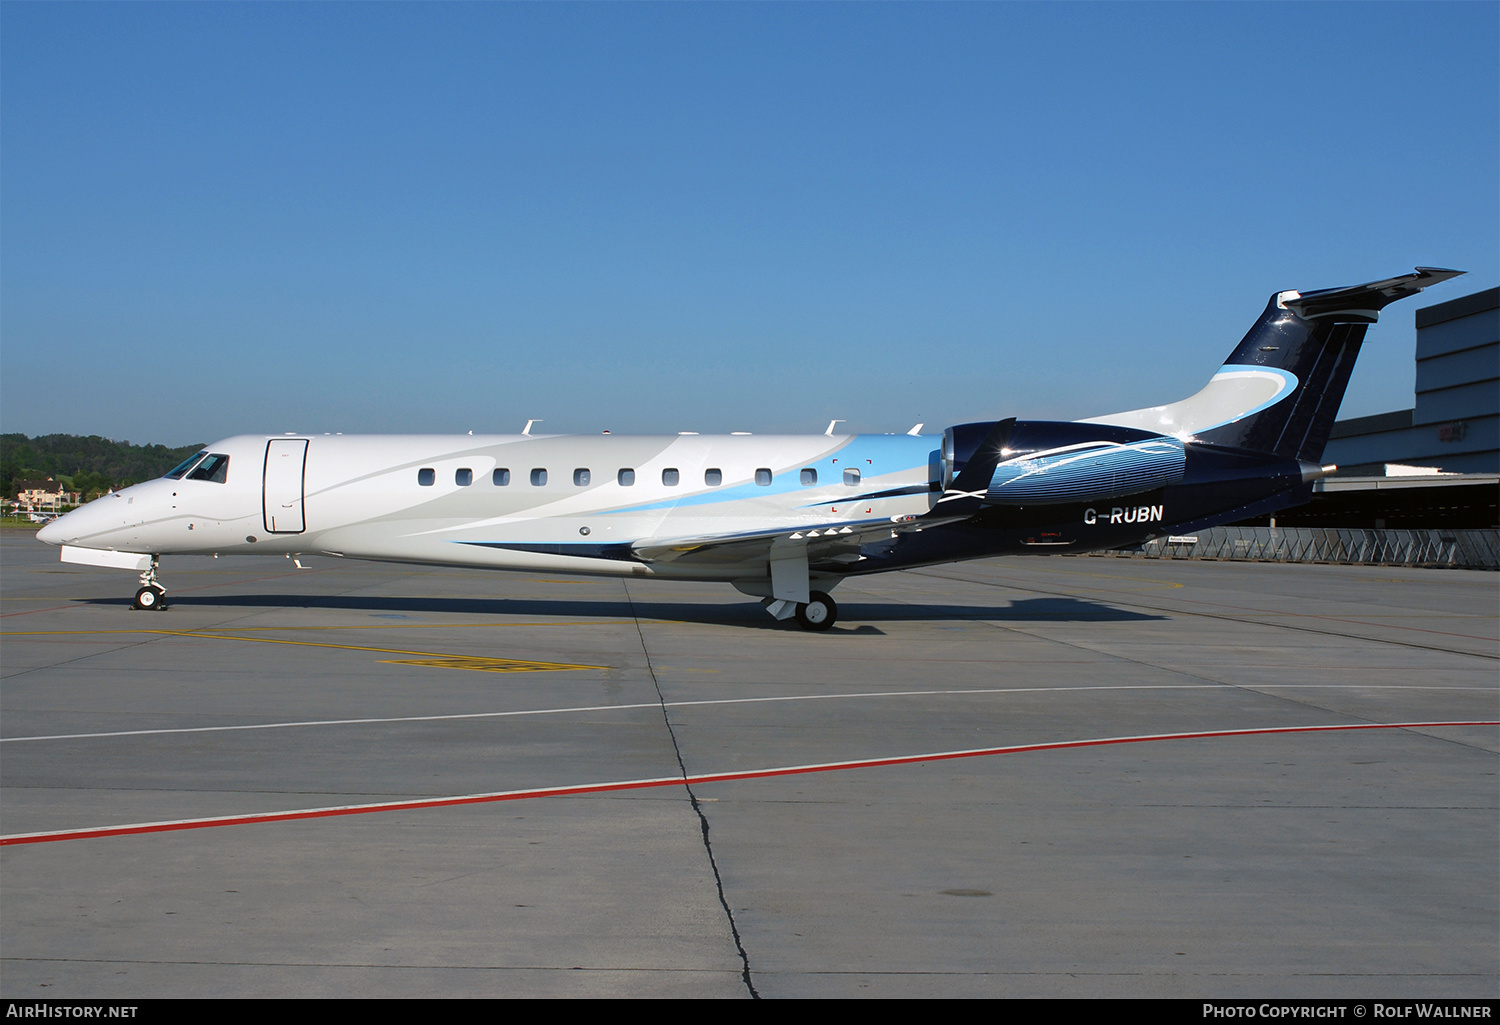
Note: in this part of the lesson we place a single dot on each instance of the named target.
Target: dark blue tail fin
(1280, 389)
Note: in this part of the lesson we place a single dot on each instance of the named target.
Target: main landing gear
(818, 613)
(149, 597)
(788, 592)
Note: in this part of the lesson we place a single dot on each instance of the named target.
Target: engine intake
(1050, 462)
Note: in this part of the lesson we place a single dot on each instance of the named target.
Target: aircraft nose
(70, 526)
(52, 533)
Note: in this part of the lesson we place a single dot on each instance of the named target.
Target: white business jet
(783, 518)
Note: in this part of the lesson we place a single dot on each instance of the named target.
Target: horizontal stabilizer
(1363, 302)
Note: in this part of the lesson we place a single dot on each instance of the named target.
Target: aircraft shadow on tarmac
(731, 613)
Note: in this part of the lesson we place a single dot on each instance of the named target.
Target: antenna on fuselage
(527, 429)
(916, 430)
(831, 424)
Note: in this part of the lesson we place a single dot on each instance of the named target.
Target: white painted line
(574, 709)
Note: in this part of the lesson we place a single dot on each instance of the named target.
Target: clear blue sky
(221, 218)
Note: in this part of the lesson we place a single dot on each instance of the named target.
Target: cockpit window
(215, 468)
(183, 467)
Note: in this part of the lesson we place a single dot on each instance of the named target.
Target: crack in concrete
(697, 808)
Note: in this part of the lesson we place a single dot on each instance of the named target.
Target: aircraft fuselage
(783, 517)
(585, 504)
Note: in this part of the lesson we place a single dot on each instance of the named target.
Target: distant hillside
(90, 464)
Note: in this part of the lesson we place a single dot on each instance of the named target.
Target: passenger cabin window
(713, 478)
(538, 477)
(214, 468)
(851, 477)
(581, 477)
(626, 478)
(763, 477)
(176, 472)
(669, 476)
(463, 477)
(500, 478)
(426, 476)
(809, 475)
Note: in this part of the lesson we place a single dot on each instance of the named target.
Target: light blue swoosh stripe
(909, 454)
(1289, 384)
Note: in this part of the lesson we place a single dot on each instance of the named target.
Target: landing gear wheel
(148, 599)
(818, 613)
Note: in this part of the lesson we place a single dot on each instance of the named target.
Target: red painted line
(668, 781)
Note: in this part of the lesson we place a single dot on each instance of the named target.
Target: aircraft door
(286, 462)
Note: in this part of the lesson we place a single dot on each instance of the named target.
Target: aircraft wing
(838, 541)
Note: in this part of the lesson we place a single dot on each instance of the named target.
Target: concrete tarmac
(1337, 863)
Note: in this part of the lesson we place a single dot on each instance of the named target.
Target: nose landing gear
(149, 597)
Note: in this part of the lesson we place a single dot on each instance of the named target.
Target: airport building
(1436, 465)
(1454, 427)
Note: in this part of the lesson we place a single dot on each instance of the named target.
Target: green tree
(93, 463)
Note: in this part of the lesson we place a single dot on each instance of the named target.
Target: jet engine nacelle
(1045, 462)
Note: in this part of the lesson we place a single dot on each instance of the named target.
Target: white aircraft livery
(784, 518)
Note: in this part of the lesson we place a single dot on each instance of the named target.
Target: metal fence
(1457, 549)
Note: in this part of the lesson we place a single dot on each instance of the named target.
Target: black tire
(819, 613)
(147, 599)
